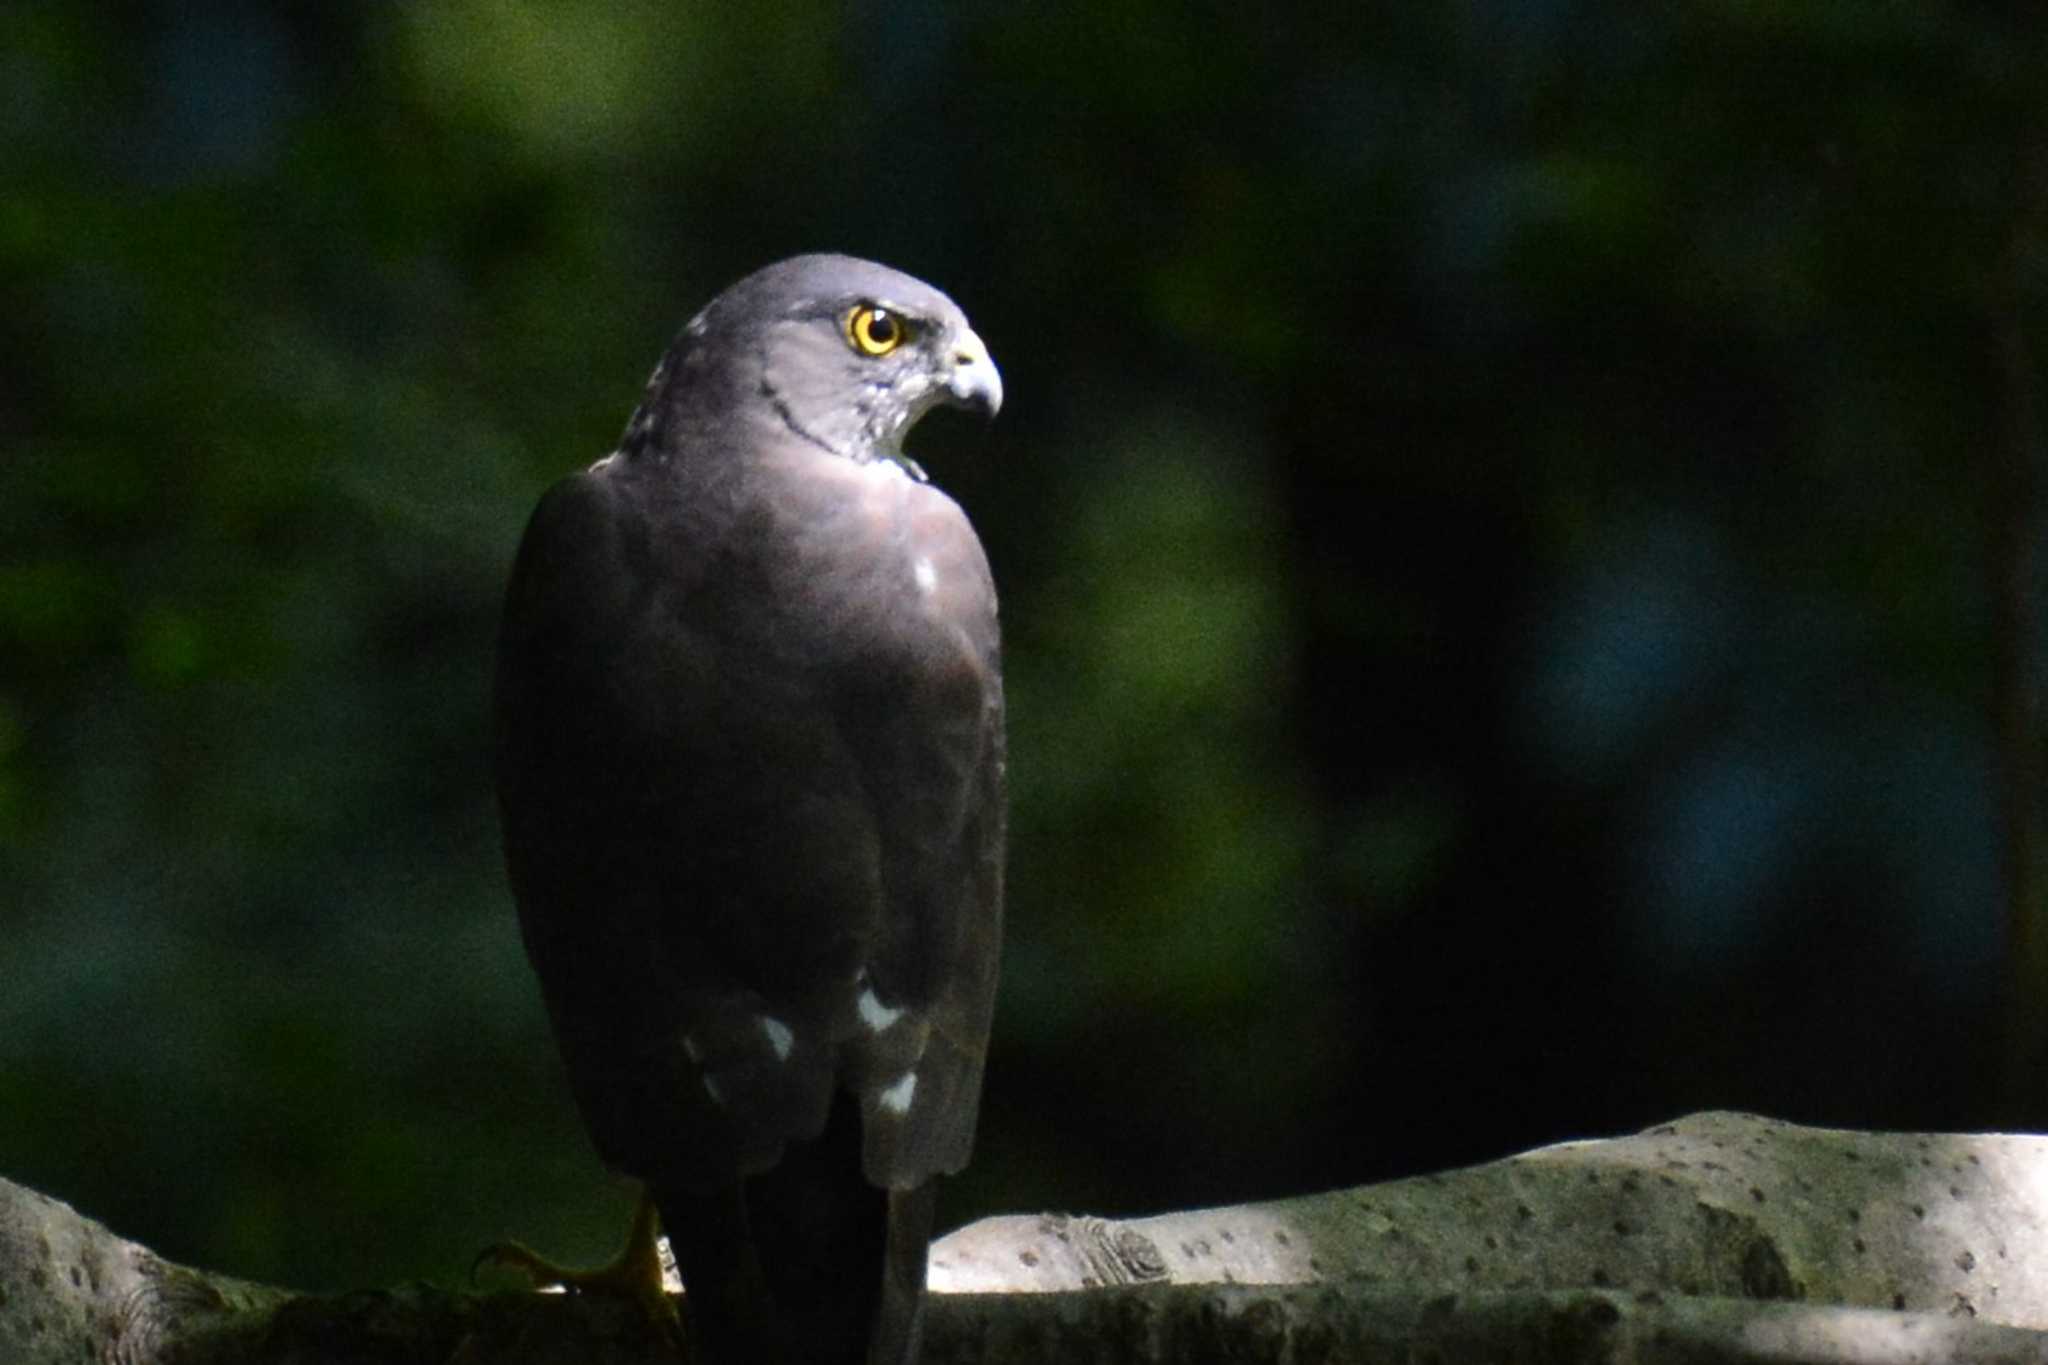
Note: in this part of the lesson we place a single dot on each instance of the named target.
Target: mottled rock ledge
(1720, 1237)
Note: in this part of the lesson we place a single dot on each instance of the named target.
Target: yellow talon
(636, 1274)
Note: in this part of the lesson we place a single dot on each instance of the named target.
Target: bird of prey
(749, 752)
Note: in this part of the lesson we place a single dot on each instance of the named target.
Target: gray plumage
(750, 766)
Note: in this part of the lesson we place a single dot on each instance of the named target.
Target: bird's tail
(899, 1315)
(806, 1263)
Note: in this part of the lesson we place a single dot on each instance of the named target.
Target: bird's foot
(635, 1275)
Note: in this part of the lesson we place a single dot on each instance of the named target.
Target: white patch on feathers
(896, 1099)
(876, 1015)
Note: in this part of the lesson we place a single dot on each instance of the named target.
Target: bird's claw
(636, 1275)
(522, 1260)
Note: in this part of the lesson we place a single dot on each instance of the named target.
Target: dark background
(1493, 514)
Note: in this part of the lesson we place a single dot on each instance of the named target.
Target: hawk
(749, 758)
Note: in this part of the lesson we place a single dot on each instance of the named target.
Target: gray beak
(974, 383)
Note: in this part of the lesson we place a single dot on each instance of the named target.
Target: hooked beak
(974, 383)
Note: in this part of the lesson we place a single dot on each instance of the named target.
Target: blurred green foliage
(1489, 514)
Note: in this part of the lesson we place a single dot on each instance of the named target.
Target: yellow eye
(876, 331)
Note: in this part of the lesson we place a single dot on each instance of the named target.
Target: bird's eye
(876, 331)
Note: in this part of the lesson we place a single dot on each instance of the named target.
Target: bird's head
(846, 353)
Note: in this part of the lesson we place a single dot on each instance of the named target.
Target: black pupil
(881, 328)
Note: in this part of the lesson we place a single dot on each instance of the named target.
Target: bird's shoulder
(768, 560)
(608, 545)
(570, 540)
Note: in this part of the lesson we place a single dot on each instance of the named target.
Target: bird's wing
(751, 776)
(926, 723)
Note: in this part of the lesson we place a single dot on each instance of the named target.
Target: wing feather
(750, 765)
